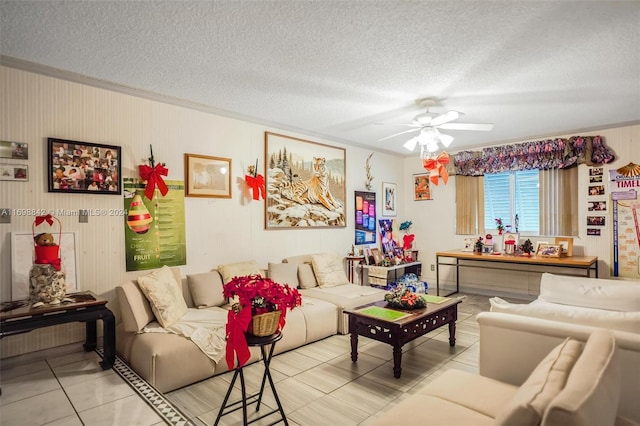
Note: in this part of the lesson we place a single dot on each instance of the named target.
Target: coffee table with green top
(397, 327)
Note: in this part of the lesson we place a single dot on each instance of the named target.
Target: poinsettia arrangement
(254, 295)
(403, 298)
(262, 294)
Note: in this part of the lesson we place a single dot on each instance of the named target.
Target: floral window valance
(547, 154)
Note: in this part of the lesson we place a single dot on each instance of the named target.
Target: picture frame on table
(206, 176)
(566, 243)
(539, 243)
(377, 256)
(549, 250)
(83, 167)
(389, 194)
(305, 184)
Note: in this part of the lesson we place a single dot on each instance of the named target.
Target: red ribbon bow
(257, 184)
(48, 218)
(436, 167)
(153, 176)
(408, 239)
(54, 262)
(237, 325)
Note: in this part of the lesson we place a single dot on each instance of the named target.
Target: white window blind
(510, 193)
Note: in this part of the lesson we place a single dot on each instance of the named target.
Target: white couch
(566, 307)
(574, 384)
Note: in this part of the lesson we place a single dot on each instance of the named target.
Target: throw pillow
(306, 277)
(284, 273)
(592, 392)
(239, 269)
(164, 295)
(545, 382)
(206, 289)
(328, 270)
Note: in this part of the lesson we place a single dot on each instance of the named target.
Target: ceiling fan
(428, 123)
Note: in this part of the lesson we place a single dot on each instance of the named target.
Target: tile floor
(317, 384)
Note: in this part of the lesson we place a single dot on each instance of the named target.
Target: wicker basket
(264, 324)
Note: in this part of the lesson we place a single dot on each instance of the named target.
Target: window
(513, 193)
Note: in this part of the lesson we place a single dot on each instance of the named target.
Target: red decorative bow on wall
(153, 176)
(436, 167)
(256, 183)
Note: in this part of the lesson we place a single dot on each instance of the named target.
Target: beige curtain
(469, 205)
(559, 201)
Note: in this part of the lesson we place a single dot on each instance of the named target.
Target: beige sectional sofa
(170, 361)
(575, 384)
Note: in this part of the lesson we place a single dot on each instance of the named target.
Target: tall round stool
(267, 344)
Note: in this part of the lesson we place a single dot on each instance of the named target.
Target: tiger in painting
(315, 190)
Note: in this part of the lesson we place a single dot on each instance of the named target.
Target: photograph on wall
(83, 167)
(365, 215)
(624, 185)
(593, 232)
(14, 150)
(154, 230)
(596, 190)
(597, 206)
(421, 187)
(305, 184)
(389, 199)
(595, 220)
(14, 172)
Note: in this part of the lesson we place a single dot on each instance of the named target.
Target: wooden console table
(19, 317)
(582, 264)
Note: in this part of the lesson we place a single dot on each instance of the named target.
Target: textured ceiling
(334, 69)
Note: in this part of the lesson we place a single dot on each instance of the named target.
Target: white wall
(435, 228)
(35, 107)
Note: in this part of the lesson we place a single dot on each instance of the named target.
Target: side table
(19, 317)
(264, 343)
(353, 263)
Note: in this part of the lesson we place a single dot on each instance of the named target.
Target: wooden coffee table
(365, 321)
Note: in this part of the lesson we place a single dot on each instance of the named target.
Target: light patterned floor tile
(27, 385)
(51, 406)
(100, 391)
(129, 410)
(328, 410)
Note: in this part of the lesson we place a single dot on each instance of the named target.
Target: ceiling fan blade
(466, 126)
(398, 124)
(398, 134)
(446, 117)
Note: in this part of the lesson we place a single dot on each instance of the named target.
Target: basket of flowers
(403, 298)
(267, 301)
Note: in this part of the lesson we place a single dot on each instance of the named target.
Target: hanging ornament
(255, 181)
(435, 165)
(153, 175)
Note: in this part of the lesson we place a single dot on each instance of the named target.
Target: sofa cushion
(592, 392)
(239, 269)
(622, 321)
(328, 270)
(206, 289)
(614, 295)
(164, 295)
(306, 277)
(284, 273)
(543, 384)
(134, 307)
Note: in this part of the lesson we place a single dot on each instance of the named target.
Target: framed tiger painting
(305, 184)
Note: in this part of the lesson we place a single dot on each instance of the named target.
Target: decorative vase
(46, 284)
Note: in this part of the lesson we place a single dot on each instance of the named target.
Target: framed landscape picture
(83, 167)
(305, 184)
(207, 176)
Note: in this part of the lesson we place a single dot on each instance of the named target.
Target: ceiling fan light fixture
(445, 118)
(446, 140)
(411, 143)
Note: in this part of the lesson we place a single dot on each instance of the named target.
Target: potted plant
(259, 307)
(477, 246)
(499, 226)
(403, 298)
(527, 247)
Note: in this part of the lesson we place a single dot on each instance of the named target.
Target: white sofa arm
(511, 346)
